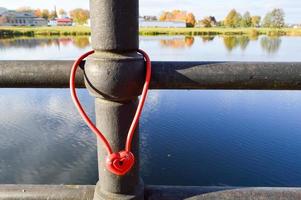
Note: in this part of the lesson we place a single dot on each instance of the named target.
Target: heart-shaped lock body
(120, 163)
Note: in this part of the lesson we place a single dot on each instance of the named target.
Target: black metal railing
(165, 75)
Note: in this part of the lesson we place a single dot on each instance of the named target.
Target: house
(52, 22)
(64, 22)
(2, 10)
(13, 18)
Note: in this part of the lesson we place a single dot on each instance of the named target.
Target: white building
(13, 18)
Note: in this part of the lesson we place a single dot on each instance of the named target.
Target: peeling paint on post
(115, 76)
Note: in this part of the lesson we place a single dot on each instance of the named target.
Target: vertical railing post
(114, 76)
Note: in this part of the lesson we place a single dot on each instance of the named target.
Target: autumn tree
(190, 20)
(24, 9)
(45, 14)
(205, 22)
(256, 21)
(38, 13)
(232, 19)
(62, 12)
(162, 17)
(208, 21)
(179, 15)
(246, 20)
(80, 16)
(274, 19)
(175, 15)
(165, 16)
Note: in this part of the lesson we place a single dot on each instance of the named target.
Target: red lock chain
(121, 162)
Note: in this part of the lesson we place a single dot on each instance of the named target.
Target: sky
(201, 8)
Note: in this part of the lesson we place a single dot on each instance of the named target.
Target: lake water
(246, 138)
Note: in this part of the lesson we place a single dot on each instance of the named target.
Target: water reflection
(270, 44)
(31, 43)
(232, 42)
(177, 42)
(190, 48)
(38, 126)
(207, 38)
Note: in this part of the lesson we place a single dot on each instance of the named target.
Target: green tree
(205, 22)
(274, 19)
(232, 19)
(256, 21)
(246, 20)
(80, 16)
(190, 20)
(208, 21)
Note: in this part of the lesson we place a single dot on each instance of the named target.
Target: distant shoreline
(6, 32)
(221, 31)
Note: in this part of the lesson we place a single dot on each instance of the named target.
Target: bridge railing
(165, 75)
(114, 75)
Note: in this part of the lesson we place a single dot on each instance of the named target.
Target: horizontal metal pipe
(61, 192)
(166, 75)
(37, 74)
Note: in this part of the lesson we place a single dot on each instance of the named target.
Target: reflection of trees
(207, 38)
(231, 42)
(178, 42)
(253, 37)
(189, 41)
(243, 42)
(30, 43)
(81, 42)
(270, 44)
(25, 43)
(64, 41)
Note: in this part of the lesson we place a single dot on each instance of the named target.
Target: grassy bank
(220, 31)
(44, 31)
(82, 30)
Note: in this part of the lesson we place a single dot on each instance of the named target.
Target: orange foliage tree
(80, 16)
(38, 13)
(190, 20)
(175, 15)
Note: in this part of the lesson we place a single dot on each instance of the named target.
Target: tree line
(273, 19)
(79, 15)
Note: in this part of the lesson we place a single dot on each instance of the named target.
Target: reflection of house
(13, 18)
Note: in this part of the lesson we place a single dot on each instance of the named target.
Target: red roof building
(64, 22)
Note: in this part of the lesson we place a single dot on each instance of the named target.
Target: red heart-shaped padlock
(120, 163)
